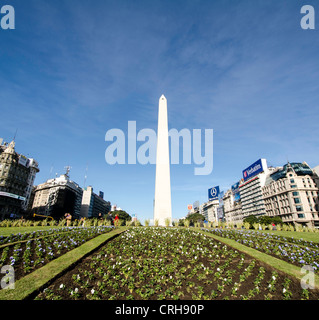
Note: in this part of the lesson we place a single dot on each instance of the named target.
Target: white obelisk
(162, 203)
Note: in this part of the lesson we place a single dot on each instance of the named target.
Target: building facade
(209, 210)
(291, 192)
(232, 207)
(250, 188)
(92, 204)
(56, 197)
(17, 175)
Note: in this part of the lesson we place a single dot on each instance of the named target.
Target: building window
(292, 180)
(301, 215)
(299, 208)
(295, 193)
(297, 200)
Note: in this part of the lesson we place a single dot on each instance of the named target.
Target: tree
(251, 220)
(195, 217)
(266, 220)
(123, 215)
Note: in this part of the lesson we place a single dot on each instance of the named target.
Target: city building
(250, 188)
(34, 169)
(17, 175)
(93, 204)
(209, 210)
(58, 196)
(291, 192)
(232, 204)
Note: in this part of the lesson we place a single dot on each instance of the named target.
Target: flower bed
(296, 251)
(43, 246)
(170, 263)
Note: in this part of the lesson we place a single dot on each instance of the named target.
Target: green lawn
(6, 231)
(309, 236)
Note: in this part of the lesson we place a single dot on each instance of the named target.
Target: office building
(93, 204)
(250, 188)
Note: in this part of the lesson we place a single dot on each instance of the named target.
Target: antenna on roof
(85, 175)
(15, 135)
(51, 169)
(67, 168)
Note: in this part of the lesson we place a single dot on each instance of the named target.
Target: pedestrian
(110, 218)
(116, 220)
(68, 218)
(83, 221)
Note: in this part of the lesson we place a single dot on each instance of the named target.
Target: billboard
(213, 193)
(253, 169)
(235, 191)
(189, 207)
(23, 160)
(11, 195)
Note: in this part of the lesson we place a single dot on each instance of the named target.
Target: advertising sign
(23, 160)
(253, 169)
(235, 191)
(213, 193)
(189, 207)
(11, 195)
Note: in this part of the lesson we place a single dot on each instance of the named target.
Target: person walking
(68, 219)
(110, 218)
(116, 220)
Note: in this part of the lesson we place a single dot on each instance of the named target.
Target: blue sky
(73, 69)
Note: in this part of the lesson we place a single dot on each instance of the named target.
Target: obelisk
(162, 203)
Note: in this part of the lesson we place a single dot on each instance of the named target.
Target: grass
(308, 236)
(37, 279)
(7, 231)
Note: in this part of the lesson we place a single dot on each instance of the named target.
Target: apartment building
(17, 175)
(291, 192)
(58, 196)
(232, 207)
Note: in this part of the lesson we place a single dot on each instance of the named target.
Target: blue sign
(235, 191)
(213, 193)
(252, 170)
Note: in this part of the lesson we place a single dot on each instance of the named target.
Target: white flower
(92, 291)
(283, 290)
(61, 286)
(273, 277)
(218, 269)
(76, 290)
